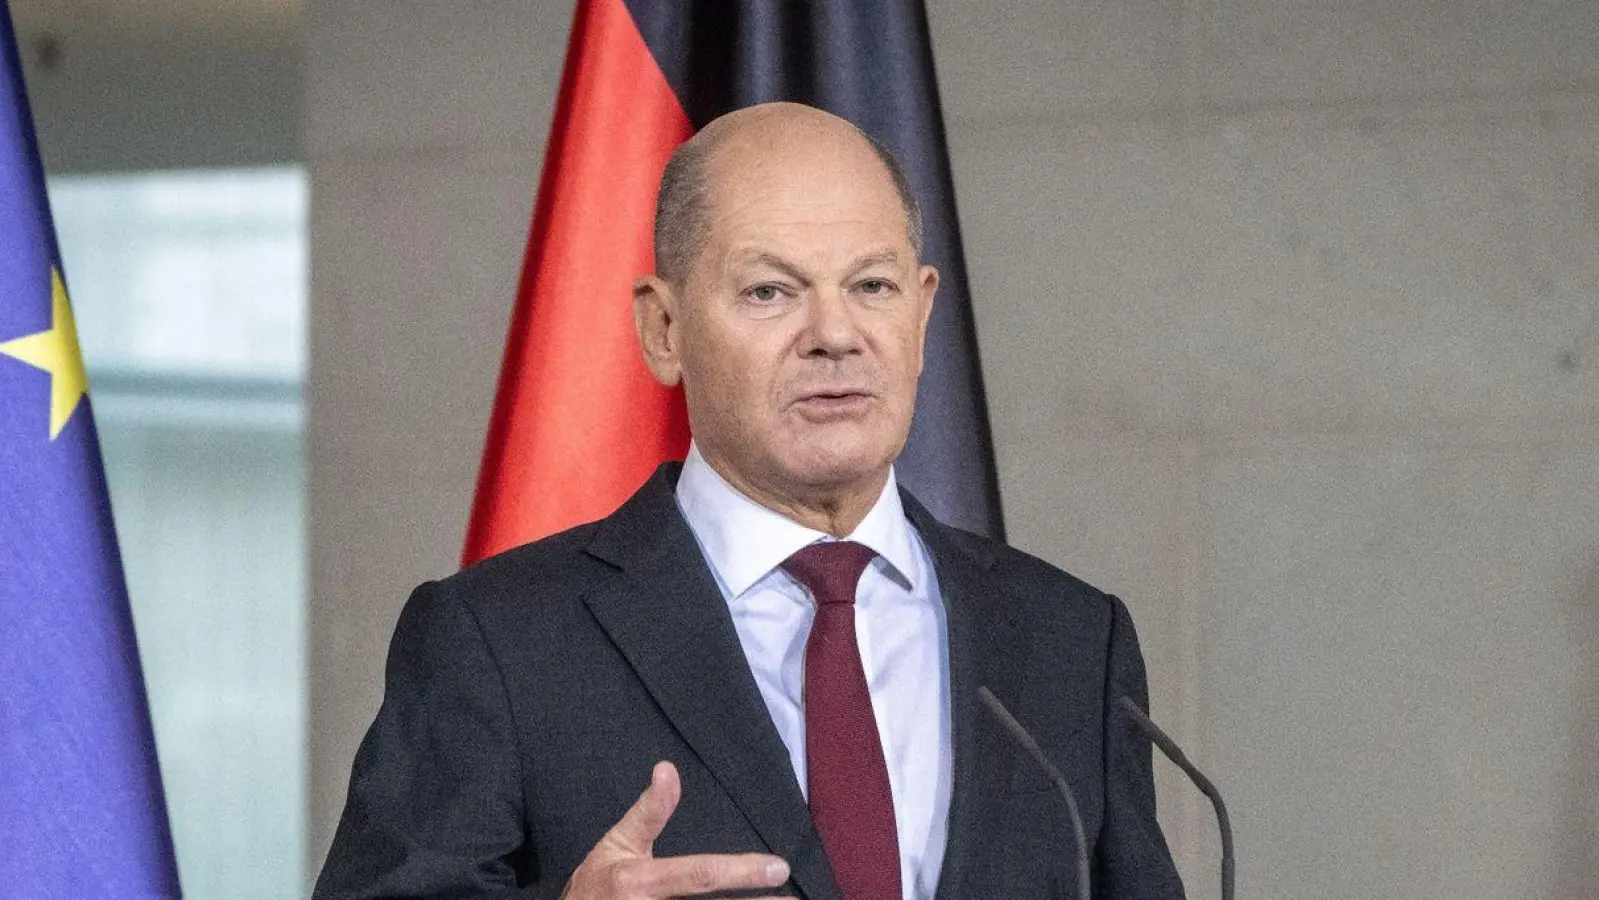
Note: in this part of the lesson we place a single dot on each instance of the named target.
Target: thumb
(642, 823)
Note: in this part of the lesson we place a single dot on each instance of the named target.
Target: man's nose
(832, 329)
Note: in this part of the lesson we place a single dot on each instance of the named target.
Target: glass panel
(189, 291)
(187, 273)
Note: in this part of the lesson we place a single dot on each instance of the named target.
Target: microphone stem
(1176, 755)
(1025, 739)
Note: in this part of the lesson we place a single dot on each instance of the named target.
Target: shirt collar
(743, 540)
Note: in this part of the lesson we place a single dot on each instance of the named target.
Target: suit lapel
(985, 649)
(667, 616)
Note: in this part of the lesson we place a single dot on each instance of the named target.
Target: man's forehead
(816, 185)
(810, 197)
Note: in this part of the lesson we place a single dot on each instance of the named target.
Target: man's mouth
(832, 404)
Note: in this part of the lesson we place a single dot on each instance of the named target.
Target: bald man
(772, 640)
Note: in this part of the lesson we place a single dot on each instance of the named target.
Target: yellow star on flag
(56, 352)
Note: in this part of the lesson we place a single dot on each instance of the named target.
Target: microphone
(1175, 754)
(1027, 743)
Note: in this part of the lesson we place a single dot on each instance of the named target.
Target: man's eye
(765, 293)
(875, 286)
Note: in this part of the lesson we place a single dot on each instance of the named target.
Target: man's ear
(927, 278)
(655, 306)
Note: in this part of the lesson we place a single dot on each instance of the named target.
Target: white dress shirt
(899, 624)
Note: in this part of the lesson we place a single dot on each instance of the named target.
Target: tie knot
(831, 569)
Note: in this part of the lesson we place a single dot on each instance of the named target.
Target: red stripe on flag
(578, 422)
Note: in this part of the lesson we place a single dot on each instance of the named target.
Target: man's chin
(840, 465)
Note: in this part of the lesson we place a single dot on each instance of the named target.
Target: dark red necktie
(851, 802)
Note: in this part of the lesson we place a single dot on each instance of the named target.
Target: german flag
(578, 422)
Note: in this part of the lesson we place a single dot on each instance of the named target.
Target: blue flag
(81, 812)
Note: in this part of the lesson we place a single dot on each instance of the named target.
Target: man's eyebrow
(771, 260)
(889, 256)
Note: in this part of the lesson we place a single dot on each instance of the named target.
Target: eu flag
(81, 813)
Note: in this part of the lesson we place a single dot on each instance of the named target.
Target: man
(786, 646)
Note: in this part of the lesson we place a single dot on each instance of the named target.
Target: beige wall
(118, 86)
(1290, 318)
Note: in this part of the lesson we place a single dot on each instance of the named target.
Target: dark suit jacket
(528, 696)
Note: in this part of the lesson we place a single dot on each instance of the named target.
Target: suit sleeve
(435, 807)
(1132, 861)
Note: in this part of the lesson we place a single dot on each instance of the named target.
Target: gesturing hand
(622, 866)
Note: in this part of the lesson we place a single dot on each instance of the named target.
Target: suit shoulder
(551, 567)
(1030, 575)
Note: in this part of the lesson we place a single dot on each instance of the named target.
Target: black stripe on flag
(871, 62)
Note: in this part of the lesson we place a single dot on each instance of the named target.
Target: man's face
(800, 322)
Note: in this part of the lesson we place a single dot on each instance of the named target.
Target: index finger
(638, 828)
(703, 873)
